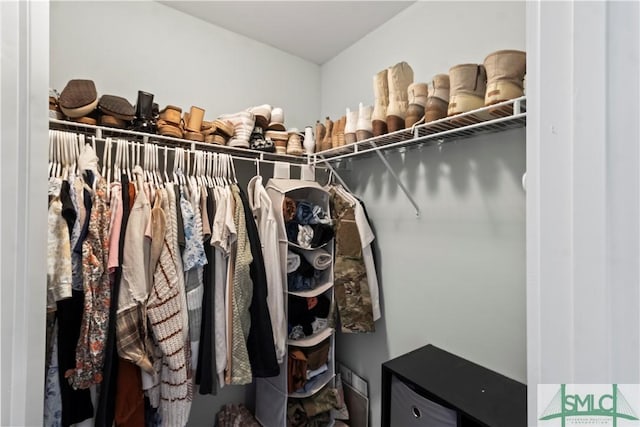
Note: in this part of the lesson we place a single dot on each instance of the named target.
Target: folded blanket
(321, 234)
(308, 213)
(305, 236)
(293, 261)
(319, 258)
(291, 228)
(316, 372)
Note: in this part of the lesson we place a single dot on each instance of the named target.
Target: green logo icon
(610, 405)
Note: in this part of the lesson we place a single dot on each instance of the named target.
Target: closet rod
(102, 132)
(397, 178)
(335, 173)
(259, 159)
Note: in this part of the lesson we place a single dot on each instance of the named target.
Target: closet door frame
(583, 195)
(24, 86)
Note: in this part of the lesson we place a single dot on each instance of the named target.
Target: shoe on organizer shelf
(193, 124)
(327, 142)
(468, 83)
(277, 119)
(399, 77)
(144, 121)
(438, 99)
(364, 127)
(381, 94)
(262, 114)
(78, 98)
(259, 142)
(279, 138)
(320, 133)
(112, 122)
(340, 130)
(169, 122)
(54, 107)
(417, 94)
(505, 75)
(350, 126)
(89, 119)
(224, 128)
(294, 144)
(243, 124)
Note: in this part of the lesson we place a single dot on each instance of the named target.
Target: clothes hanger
(52, 143)
(166, 156)
(233, 170)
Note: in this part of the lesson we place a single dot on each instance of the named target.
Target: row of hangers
(69, 152)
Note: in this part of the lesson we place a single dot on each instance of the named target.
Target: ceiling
(313, 30)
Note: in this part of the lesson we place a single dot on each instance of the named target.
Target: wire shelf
(506, 115)
(130, 135)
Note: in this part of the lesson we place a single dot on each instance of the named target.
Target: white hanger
(52, 136)
(166, 156)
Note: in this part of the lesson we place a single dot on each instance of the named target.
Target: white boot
(350, 127)
(399, 77)
(381, 94)
(364, 126)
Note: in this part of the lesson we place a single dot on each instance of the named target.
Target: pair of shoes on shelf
(390, 89)
(358, 125)
(500, 78)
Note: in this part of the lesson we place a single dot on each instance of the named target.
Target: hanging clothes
(131, 317)
(353, 297)
(260, 343)
(262, 208)
(367, 238)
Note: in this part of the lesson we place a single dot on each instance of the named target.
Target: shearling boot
(399, 77)
(438, 99)
(364, 127)
(417, 93)
(350, 127)
(381, 94)
(243, 123)
(327, 142)
(468, 85)
(505, 75)
(320, 132)
(335, 136)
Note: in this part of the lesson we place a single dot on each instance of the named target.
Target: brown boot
(334, 134)
(468, 85)
(320, 132)
(340, 132)
(417, 94)
(327, 142)
(438, 99)
(399, 77)
(381, 94)
(505, 75)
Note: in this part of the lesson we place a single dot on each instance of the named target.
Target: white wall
(24, 65)
(432, 36)
(455, 277)
(127, 46)
(583, 197)
(143, 45)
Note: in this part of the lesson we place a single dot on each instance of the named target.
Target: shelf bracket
(338, 177)
(397, 178)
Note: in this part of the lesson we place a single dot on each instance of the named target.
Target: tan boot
(417, 94)
(438, 99)
(505, 75)
(381, 94)
(294, 144)
(337, 139)
(399, 77)
(350, 126)
(468, 85)
(327, 142)
(364, 129)
(320, 132)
